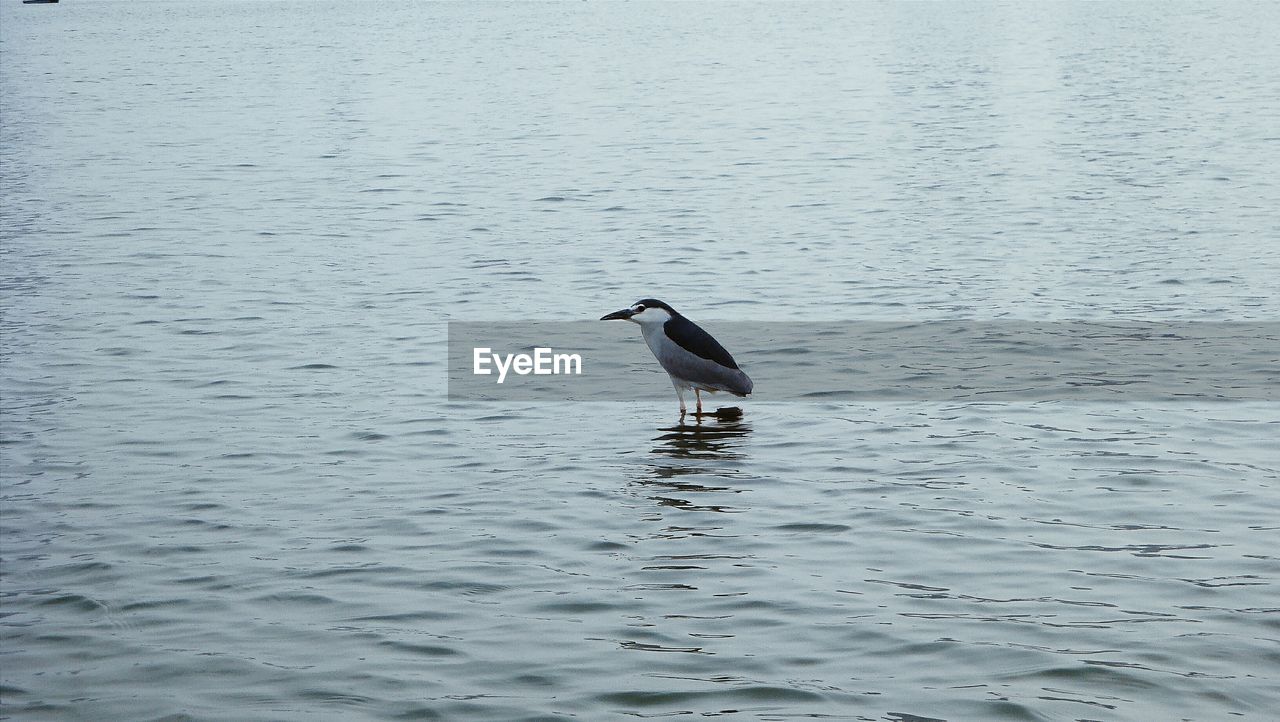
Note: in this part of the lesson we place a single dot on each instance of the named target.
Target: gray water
(234, 487)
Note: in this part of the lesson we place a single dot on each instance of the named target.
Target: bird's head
(648, 311)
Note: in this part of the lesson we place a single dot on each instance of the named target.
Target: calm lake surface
(234, 233)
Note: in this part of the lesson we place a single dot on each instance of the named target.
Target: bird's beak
(623, 315)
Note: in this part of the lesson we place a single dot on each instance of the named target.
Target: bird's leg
(679, 395)
(698, 393)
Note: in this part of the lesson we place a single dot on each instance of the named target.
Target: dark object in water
(38, 2)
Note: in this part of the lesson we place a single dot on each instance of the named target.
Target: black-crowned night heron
(692, 358)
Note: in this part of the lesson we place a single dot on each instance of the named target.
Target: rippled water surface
(234, 486)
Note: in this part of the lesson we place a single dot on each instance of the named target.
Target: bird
(689, 355)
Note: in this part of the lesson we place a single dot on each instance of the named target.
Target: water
(234, 487)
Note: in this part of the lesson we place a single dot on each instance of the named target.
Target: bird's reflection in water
(699, 448)
(715, 435)
(688, 556)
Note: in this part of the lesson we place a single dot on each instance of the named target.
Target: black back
(691, 337)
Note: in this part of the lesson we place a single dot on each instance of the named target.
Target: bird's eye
(639, 307)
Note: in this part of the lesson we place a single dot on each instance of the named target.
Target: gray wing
(702, 373)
